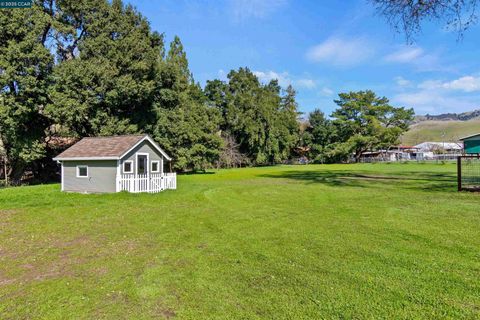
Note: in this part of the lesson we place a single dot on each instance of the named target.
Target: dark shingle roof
(101, 147)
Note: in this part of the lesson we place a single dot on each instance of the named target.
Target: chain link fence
(468, 171)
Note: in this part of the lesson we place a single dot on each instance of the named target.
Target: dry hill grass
(433, 131)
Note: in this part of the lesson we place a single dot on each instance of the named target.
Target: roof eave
(470, 136)
(147, 137)
(84, 158)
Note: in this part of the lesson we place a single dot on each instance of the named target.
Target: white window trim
(131, 166)
(158, 166)
(78, 171)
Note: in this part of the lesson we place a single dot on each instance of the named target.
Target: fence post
(459, 173)
(148, 181)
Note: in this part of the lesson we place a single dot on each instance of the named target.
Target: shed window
(128, 166)
(156, 166)
(82, 171)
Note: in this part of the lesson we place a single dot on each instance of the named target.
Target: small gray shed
(133, 163)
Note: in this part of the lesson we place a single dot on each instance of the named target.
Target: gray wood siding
(144, 147)
(101, 176)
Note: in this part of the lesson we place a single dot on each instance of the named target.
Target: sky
(323, 48)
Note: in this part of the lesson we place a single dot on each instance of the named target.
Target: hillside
(432, 130)
(464, 116)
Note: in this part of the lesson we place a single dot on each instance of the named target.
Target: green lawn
(391, 241)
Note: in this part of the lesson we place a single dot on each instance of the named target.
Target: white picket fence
(150, 182)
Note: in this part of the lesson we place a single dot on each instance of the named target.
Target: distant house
(439, 150)
(420, 152)
(471, 144)
(396, 153)
(133, 163)
(400, 153)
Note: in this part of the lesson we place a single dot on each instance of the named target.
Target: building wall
(144, 147)
(101, 176)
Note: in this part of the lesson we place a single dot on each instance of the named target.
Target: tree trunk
(358, 154)
(5, 171)
(16, 172)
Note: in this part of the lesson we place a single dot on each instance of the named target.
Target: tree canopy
(71, 69)
(362, 122)
(257, 116)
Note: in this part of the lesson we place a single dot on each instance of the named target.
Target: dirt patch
(164, 312)
(6, 216)
(58, 261)
(79, 241)
(52, 258)
(8, 211)
(202, 246)
(4, 254)
(100, 271)
(61, 267)
(169, 313)
(4, 280)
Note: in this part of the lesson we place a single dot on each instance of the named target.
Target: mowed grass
(391, 241)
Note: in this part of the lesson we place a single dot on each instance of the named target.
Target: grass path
(287, 242)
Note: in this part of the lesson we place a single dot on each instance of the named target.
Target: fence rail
(434, 158)
(150, 182)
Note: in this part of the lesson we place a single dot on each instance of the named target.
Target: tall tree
(249, 115)
(186, 126)
(288, 124)
(105, 77)
(261, 120)
(366, 122)
(25, 75)
(319, 135)
(218, 96)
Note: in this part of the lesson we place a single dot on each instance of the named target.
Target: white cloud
(222, 75)
(417, 57)
(405, 55)
(430, 85)
(436, 96)
(285, 79)
(431, 101)
(402, 82)
(465, 84)
(267, 76)
(327, 92)
(341, 51)
(246, 9)
(305, 83)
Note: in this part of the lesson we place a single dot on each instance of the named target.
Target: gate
(468, 173)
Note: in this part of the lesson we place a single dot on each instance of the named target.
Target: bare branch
(407, 16)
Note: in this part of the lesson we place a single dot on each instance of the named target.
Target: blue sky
(323, 48)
